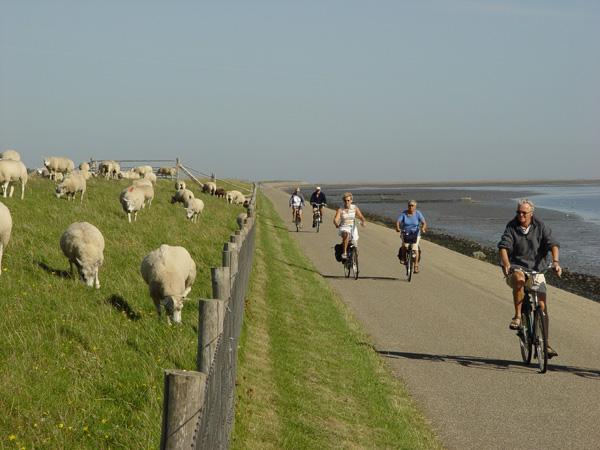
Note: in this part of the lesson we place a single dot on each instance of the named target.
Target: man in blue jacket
(526, 242)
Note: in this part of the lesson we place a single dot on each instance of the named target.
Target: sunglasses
(522, 213)
(411, 205)
(347, 199)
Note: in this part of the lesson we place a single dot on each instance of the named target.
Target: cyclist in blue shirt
(410, 224)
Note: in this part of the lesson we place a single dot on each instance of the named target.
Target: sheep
(220, 193)
(235, 197)
(5, 229)
(193, 208)
(56, 164)
(150, 176)
(170, 273)
(129, 175)
(10, 154)
(58, 176)
(168, 171)
(143, 170)
(12, 171)
(146, 186)
(179, 185)
(241, 219)
(72, 185)
(109, 169)
(83, 245)
(84, 166)
(209, 187)
(132, 200)
(182, 196)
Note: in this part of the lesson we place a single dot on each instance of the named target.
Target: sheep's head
(173, 305)
(60, 190)
(88, 273)
(179, 185)
(189, 213)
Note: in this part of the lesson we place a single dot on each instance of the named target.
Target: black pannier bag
(339, 249)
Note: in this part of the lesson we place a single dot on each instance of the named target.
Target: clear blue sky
(326, 90)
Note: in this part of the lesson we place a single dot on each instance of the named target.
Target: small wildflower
(104, 420)
(85, 428)
(70, 428)
(12, 437)
(35, 424)
(61, 425)
(106, 436)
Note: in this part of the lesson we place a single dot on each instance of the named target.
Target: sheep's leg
(135, 216)
(4, 188)
(22, 190)
(82, 192)
(1, 253)
(71, 269)
(97, 279)
(157, 306)
(12, 190)
(129, 216)
(186, 292)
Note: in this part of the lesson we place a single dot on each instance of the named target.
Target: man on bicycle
(296, 203)
(345, 222)
(526, 242)
(410, 224)
(318, 200)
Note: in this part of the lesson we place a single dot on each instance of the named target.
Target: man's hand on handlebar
(556, 268)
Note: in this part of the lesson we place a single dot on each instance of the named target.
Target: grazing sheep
(143, 170)
(193, 208)
(235, 197)
(241, 219)
(209, 187)
(58, 176)
(170, 273)
(220, 193)
(58, 164)
(84, 166)
(10, 154)
(11, 171)
(132, 200)
(179, 185)
(129, 175)
(182, 196)
(72, 185)
(83, 245)
(150, 176)
(168, 171)
(109, 169)
(5, 229)
(146, 186)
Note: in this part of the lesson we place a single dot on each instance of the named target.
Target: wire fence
(199, 406)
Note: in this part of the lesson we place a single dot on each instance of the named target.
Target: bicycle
(297, 219)
(351, 262)
(409, 239)
(533, 334)
(317, 215)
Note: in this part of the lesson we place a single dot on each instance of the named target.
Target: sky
(322, 91)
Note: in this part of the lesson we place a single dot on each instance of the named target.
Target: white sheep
(193, 208)
(179, 185)
(146, 186)
(132, 200)
(150, 176)
(72, 185)
(58, 176)
(209, 187)
(10, 154)
(129, 175)
(12, 171)
(170, 273)
(143, 170)
(5, 229)
(84, 166)
(182, 196)
(235, 197)
(241, 219)
(168, 171)
(83, 245)
(56, 164)
(109, 169)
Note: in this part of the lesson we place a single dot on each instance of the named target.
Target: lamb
(220, 193)
(12, 171)
(5, 229)
(146, 187)
(235, 197)
(168, 171)
(71, 186)
(241, 219)
(170, 273)
(10, 154)
(150, 176)
(132, 200)
(83, 245)
(182, 196)
(193, 208)
(56, 164)
(143, 170)
(179, 185)
(209, 187)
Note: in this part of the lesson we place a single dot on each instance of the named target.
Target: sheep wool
(83, 245)
(5, 230)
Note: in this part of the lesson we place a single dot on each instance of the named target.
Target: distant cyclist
(317, 200)
(410, 224)
(526, 242)
(297, 203)
(345, 222)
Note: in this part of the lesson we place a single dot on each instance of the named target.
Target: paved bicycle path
(445, 334)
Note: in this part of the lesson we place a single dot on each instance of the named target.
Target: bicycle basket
(410, 237)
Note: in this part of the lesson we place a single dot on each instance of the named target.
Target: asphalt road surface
(445, 334)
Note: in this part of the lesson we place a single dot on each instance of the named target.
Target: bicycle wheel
(318, 223)
(409, 263)
(541, 341)
(525, 341)
(355, 263)
(348, 264)
(297, 221)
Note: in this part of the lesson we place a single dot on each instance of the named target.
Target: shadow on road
(492, 364)
(360, 277)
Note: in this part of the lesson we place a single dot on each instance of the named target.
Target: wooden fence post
(182, 404)
(226, 255)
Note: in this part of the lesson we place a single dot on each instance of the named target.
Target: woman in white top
(345, 221)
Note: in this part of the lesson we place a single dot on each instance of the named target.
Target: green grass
(83, 368)
(308, 377)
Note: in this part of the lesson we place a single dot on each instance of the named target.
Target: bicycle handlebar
(529, 272)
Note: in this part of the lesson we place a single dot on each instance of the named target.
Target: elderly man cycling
(410, 224)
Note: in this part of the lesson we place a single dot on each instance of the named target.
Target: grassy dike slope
(82, 368)
(307, 376)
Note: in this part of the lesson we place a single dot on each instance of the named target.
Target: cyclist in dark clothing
(317, 200)
(526, 242)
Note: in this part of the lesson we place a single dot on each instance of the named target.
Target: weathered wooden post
(182, 404)
(212, 312)
(226, 255)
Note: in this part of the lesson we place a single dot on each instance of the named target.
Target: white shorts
(348, 229)
(540, 280)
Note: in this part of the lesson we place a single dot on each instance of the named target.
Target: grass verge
(307, 375)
